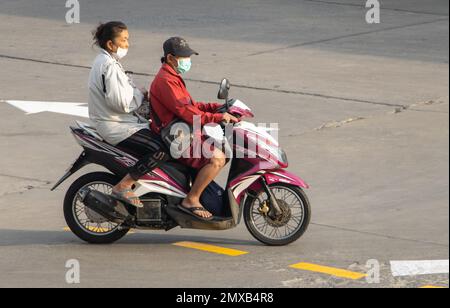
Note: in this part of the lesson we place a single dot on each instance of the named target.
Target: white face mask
(121, 53)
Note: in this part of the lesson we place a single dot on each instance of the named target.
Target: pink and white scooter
(271, 200)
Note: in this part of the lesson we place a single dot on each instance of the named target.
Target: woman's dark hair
(107, 32)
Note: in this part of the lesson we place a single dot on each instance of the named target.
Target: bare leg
(126, 183)
(206, 175)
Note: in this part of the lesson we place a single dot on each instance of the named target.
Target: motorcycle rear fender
(81, 162)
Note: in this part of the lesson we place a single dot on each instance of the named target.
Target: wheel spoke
(83, 217)
(283, 228)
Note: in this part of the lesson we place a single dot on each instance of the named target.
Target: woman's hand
(145, 93)
(228, 118)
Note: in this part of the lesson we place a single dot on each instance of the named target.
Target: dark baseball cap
(178, 47)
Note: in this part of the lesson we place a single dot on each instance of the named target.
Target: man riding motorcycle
(170, 100)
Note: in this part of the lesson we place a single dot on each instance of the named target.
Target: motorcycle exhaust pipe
(105, 206)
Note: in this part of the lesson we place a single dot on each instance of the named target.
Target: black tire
(69, 215)
(279, 242)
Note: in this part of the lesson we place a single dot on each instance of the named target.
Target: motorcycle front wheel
(285, 229)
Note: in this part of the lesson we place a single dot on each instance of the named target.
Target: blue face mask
(184, 65)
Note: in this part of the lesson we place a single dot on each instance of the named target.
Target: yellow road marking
(432, 287)
(211, 248)
(94, 229)
(328, 270)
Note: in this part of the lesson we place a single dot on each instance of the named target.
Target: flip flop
(191, 211)
(120, 196)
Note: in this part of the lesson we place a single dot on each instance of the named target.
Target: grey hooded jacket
(113, 100)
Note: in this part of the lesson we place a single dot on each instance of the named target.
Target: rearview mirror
(224, 89)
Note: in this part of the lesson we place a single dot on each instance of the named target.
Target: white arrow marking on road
(32, 107)
(413, 268)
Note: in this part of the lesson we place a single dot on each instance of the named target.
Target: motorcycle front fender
(283, 176)
(279, 176)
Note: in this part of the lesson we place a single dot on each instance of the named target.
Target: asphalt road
(364, 117)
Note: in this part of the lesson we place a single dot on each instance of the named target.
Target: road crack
(396, 110)
(208, 82)
(344, 37)
(390, 237)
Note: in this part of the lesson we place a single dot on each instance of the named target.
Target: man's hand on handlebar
(228, 118)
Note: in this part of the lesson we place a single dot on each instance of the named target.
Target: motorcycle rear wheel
(93, 229)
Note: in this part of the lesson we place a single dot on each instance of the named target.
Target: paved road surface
(363, 111)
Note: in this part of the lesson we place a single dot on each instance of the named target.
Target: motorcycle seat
(91, 131)
(182, 174)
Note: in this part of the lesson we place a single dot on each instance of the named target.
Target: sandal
(191, 211)
(133, 201)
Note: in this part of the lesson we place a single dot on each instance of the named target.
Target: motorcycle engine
(151, 212)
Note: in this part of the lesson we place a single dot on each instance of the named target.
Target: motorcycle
(272, 201)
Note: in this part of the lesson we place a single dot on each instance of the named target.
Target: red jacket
(171, 100)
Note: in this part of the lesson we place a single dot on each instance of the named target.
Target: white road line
(31, 107)
(414, 268)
